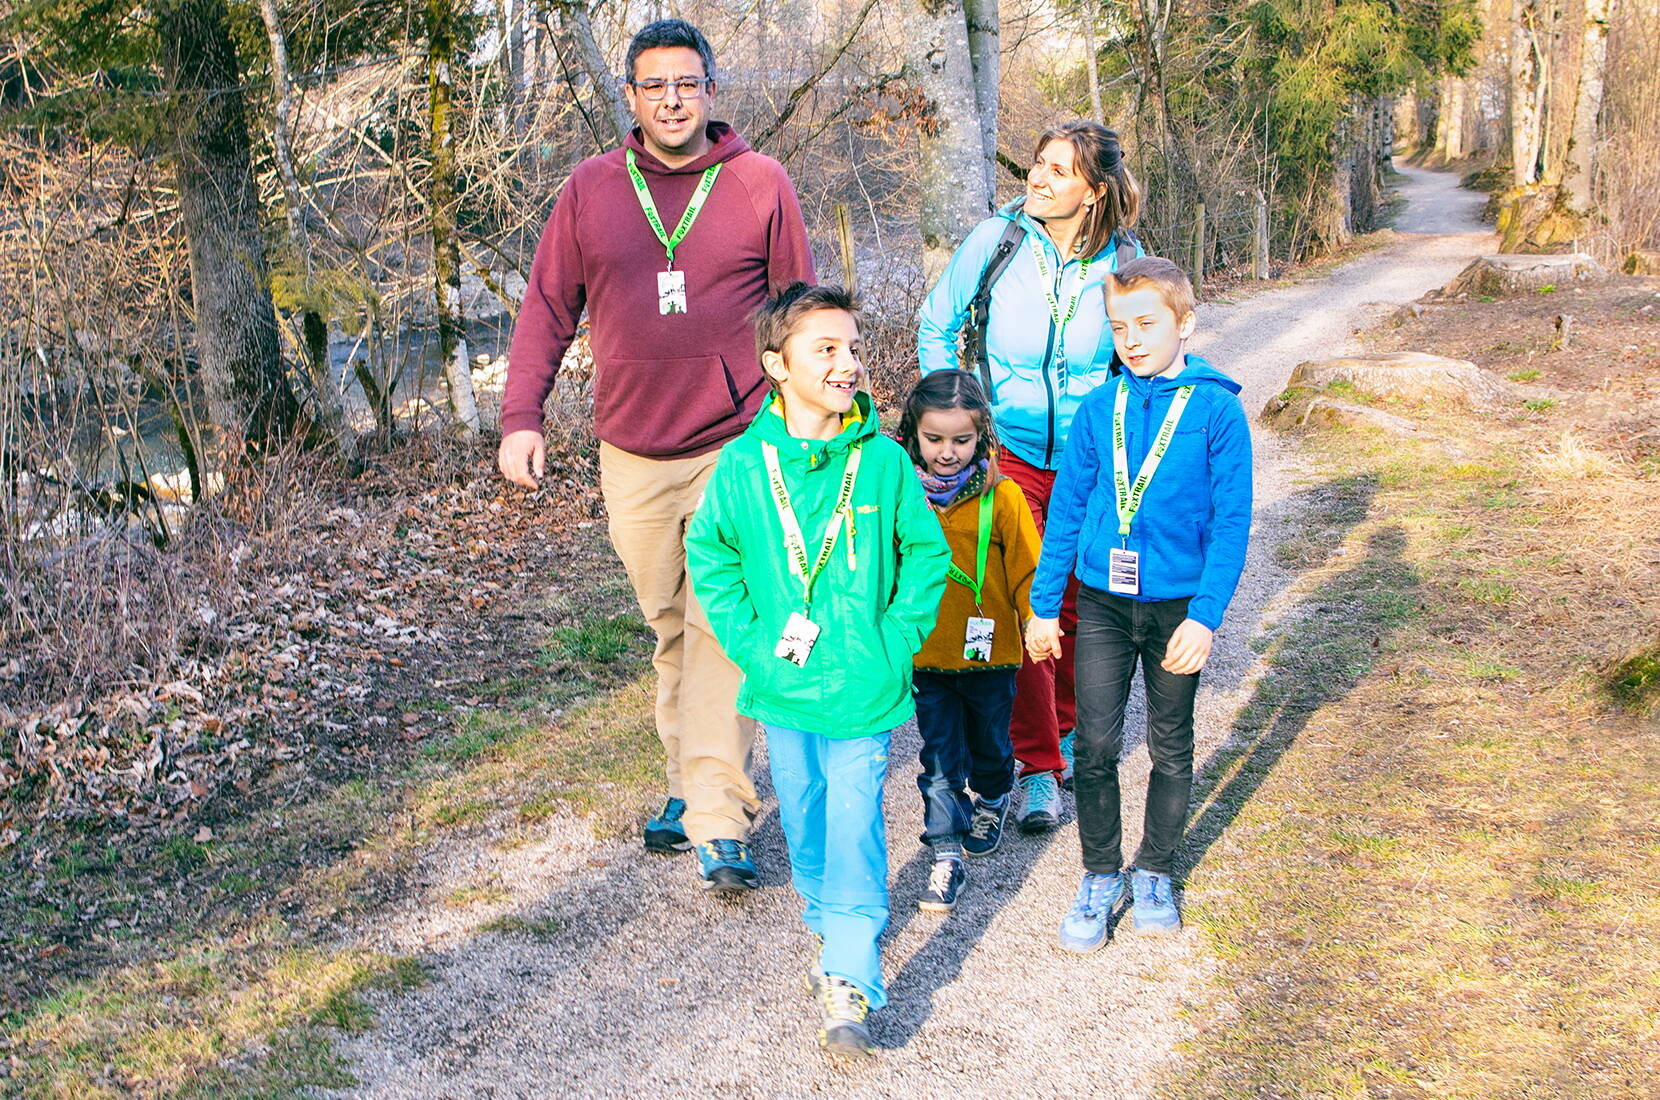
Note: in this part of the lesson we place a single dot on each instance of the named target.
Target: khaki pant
(650, 502)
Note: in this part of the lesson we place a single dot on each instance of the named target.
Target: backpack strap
(979, 307)
(1126, 246)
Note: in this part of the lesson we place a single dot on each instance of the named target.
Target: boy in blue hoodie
(1152, 510)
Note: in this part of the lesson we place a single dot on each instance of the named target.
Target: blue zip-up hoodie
(1035, 388)
(1195, 517)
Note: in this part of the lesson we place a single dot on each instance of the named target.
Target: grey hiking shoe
(843, 1008)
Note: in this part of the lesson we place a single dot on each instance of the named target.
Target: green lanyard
(646, 204)
(1047, 279)
(794, 545)
(976, 582)
(1128, 497)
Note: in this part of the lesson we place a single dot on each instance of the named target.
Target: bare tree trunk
(573, 16)
(954, 191)
(1155, 20)
(236, 325)
(1529, 81)
(330, 417)
(1578, 176)
(1563, 44)
(1087, 14)
(985, 51)
(518, 110)
(446, 251)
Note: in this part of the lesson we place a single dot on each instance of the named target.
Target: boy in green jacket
(820, 566)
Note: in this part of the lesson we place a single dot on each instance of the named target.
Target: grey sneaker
(1067, 740)
(843, 1008)
(1041, 812)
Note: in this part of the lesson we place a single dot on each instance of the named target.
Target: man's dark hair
(670, 34)
(780, 316)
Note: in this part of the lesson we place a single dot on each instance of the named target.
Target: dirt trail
(649, 988)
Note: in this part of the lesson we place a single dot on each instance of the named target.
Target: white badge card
(671, 292)
(977, 640)
(797, 643)
(1124, 572)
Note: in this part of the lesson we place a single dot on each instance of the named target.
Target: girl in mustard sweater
(964, 675)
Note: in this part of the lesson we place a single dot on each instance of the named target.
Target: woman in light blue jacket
(1046, 345)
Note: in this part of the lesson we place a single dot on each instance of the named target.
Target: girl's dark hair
(1101, 160)
(951, 389)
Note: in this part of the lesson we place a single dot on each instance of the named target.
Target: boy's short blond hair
(1155, 271)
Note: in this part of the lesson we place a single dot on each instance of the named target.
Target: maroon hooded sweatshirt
(664, 386)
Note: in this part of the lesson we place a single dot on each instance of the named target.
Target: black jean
(964, 721)
(1114, 632)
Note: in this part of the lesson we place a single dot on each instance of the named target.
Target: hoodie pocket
(656, 406)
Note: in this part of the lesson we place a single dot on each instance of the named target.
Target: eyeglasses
(687, 87)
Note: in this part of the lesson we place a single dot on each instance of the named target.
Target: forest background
(249, 252)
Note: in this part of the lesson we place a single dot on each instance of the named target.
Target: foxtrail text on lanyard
(795, 546)
(978, 580)
(1128, 497)
(699, 197)
(1047, 278)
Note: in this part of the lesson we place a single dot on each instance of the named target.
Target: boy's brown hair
(779, 317)
(1169, 280)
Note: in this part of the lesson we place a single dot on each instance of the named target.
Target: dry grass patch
(164, 1028)
(1428, 860)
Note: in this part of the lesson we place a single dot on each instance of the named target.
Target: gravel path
(649, 986)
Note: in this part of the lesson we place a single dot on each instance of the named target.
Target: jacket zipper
(1049, 388)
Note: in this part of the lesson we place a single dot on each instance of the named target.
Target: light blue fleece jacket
(1038, 375)
(1195, 517)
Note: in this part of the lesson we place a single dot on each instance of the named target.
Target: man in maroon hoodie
(670, 243)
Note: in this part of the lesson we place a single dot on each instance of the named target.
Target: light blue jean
(830, 804)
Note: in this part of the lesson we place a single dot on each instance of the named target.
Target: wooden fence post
(1259, 240)
(1197, 269)
(844, 232)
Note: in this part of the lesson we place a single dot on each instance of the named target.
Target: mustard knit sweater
(1011, 562)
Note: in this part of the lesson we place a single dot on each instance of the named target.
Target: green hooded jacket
(873, 609)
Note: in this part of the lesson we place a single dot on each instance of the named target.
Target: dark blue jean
(964, 720)
(1115, 633)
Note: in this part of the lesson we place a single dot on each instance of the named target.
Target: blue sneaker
(1041, 812)
(726, 866)
(985, 829)
(1084, 928)
(1066, 756)
(665, 833)
(1155, 904)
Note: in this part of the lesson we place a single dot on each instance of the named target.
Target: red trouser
(1044, 699)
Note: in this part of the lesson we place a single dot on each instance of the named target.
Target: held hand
(522, 457)
(1043, 638)
(1189, 648)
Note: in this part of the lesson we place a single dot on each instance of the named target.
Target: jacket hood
(726, 144)
(1195, 372)
(768, 426)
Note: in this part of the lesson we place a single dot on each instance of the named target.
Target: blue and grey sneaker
(1066, 756)
(985, 828)
(1084, 928)
(1155, 903)
(1041, 812)
(665, 833)
(726, 866)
